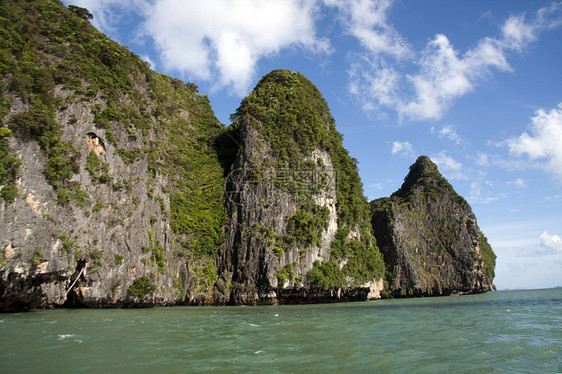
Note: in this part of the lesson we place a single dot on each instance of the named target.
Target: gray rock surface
(429, 237)
(46, 244)
(129, 192)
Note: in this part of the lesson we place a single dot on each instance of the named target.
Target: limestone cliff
(112, 181)
(111, 175)
(430, 239)
(298, 226)
(119, 187)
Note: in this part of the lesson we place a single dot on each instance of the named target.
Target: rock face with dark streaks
(296, 233)
(119, 187)
(111, 181)
(430, 239)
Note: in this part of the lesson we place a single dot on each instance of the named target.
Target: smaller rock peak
(423, 168)
(284, 77)
(281, 76)
(277, 82)
(424, 161)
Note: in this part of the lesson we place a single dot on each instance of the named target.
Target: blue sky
(474, 85)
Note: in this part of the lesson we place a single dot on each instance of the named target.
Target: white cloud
(374, 82)
(448, 165)
(217, 40)
(444, 74)
(223, 40)
(486, 160)
(549, 245)
(550, 16)
(480, 193)
(373, 74)
(450, 133)
(553, 242)
(475, 189)
(403, 149)
(554, 198)
(517, 33)
(367, 21)
(148, 60)
(545, 141)
(518, 183)
(482, 159)
(106, 16)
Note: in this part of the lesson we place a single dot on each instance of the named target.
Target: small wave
(63, 337)
(251, 324)
(258, 352)
(66, 336)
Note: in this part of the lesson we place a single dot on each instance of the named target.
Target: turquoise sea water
(504, 332)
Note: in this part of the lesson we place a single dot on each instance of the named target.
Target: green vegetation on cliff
(488, 256)
(290, 112)
(27, 31)
(428, 231)
(51, 57)
(142, 287)
(306, 225)
(9, 166)
(293, 117)
(135, 162)
(425, 180)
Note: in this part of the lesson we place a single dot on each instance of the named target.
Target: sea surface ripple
(498, 332)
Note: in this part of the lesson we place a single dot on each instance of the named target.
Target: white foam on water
(63, 337)
(66, 336)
